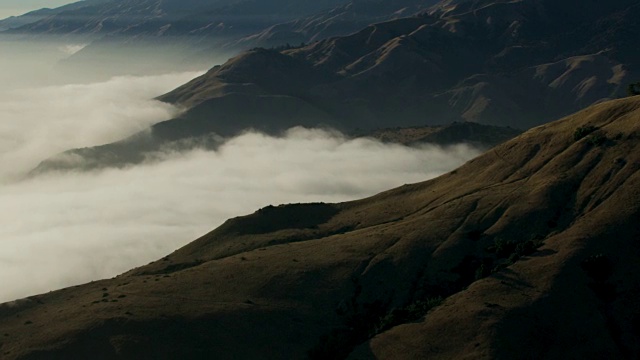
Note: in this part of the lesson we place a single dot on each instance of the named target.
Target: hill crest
(552, 212)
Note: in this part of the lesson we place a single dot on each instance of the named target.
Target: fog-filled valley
(61, 229)
(333, 179)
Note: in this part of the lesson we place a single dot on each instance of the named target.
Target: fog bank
(60, 230)
(63, 229)
(36, 123)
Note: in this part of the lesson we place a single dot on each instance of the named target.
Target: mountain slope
(507, 63)
(166, 136)
(139, 17)
(31, 17)
(141, 36)
(553, 212)
(481, 136)
(157, 36)
(501, 63)
(341, 20)
(486, 64)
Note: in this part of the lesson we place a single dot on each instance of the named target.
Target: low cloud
(39, 122)
(63, 229)
(71, 49)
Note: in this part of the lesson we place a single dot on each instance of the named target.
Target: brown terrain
(507, 63)
(167, 35)
(481, 136)
(529, 251)
(493, 62)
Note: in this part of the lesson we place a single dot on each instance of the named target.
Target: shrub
(583, 131)
(512, 250)
(633, 89)
(598, 267)
(527, 248)
(482, 271)
(474, 235)
(502, 248)
(597, 139)
(411, 312)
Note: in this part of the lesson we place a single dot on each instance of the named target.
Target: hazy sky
(19, 7)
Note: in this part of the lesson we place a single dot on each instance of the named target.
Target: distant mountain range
(168, 17)
(32, 17)
(261, 22)
(530, 250)
(158, 35)
(515, 63)
(501, 63)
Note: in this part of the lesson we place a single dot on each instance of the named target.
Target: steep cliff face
(530, 248)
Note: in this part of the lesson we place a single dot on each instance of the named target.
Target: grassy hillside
(528, 250)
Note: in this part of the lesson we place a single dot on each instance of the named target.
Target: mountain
(487, 62)
(22, 20)
(165, 136)
(141, 36)
(148, 17)
(529, 250)
(500, 63)
(156, 36)
(341, 20)
(31, 17)
(481, 136)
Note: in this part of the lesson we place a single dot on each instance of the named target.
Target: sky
(64, 229)
(19, 7)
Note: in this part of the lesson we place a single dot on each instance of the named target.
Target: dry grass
(242, 293)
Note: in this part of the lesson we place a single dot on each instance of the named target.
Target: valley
(414, 179)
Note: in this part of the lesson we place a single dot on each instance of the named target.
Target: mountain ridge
(34, 16)
(477, 61)
(362, 67)
(544, 224)
(144, 146)
(196, 33)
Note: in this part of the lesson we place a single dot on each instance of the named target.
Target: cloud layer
(59, 230)
(36, 123)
